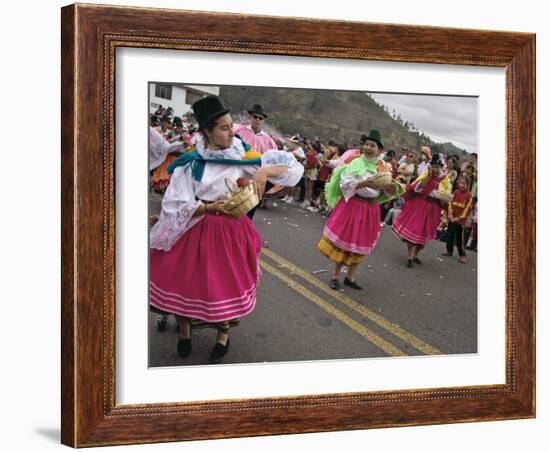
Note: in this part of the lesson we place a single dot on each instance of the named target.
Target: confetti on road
(315, 272)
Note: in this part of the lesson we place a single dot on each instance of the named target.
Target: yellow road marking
(393, 328)
(382, 344)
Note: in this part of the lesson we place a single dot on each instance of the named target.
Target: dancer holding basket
(355, 191)
(420, 215)
(204, 250)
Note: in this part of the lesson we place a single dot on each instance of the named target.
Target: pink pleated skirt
(354, 226)
(211, 273)
(418, 220)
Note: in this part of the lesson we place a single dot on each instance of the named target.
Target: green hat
(375, 135)
(208, 109)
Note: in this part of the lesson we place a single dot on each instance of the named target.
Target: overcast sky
(442, 118)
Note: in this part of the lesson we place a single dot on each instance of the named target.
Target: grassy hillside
(342, 116)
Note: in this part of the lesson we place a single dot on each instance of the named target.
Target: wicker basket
(442, 196)
(381, 180)
(242, 199)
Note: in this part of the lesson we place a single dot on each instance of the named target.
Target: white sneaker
(305, 205)
(312, 209)
(290, 200)
(382, 224)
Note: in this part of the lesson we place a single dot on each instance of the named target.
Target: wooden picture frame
(90, 36)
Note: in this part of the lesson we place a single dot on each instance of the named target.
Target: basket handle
(232, 188)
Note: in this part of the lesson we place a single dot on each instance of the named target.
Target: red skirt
(354, 226)
(161, 178)
(211, 273)
(418, 220)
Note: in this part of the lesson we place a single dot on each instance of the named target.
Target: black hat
(208, 109)
(376, 136)
(257, 110)
(177, 121)
(437, 159)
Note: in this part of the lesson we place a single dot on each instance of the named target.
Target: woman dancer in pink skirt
(420, 215)
(353, 227)
(203, 262)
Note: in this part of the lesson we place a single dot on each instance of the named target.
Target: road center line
(393, 328)
(382, 344)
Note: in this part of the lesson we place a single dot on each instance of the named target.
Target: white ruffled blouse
(348, 185)
(184, 194)
(159, 148)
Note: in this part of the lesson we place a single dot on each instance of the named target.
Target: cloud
(442, 118)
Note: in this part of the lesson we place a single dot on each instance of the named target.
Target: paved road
(427, 309)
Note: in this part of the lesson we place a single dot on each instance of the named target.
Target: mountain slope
(342, 116)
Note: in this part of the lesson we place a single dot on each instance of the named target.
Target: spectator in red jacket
(459, 209)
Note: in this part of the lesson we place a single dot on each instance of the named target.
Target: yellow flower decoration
(251, 154)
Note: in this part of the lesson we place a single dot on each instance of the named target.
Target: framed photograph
(291, 222)
(389, 333)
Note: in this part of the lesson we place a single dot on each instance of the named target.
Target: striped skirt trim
(406, 234)
(208, 311)
(349, 247)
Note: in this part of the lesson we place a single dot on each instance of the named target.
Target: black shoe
(161, 323)
(218, 352)
(184, 348)
(335, 284)
(409, 263)
(417, 261)
(352, 284)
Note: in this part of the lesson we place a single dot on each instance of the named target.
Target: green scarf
(357, 167)
(198, 163)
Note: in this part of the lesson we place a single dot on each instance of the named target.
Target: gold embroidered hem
(338, 255)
